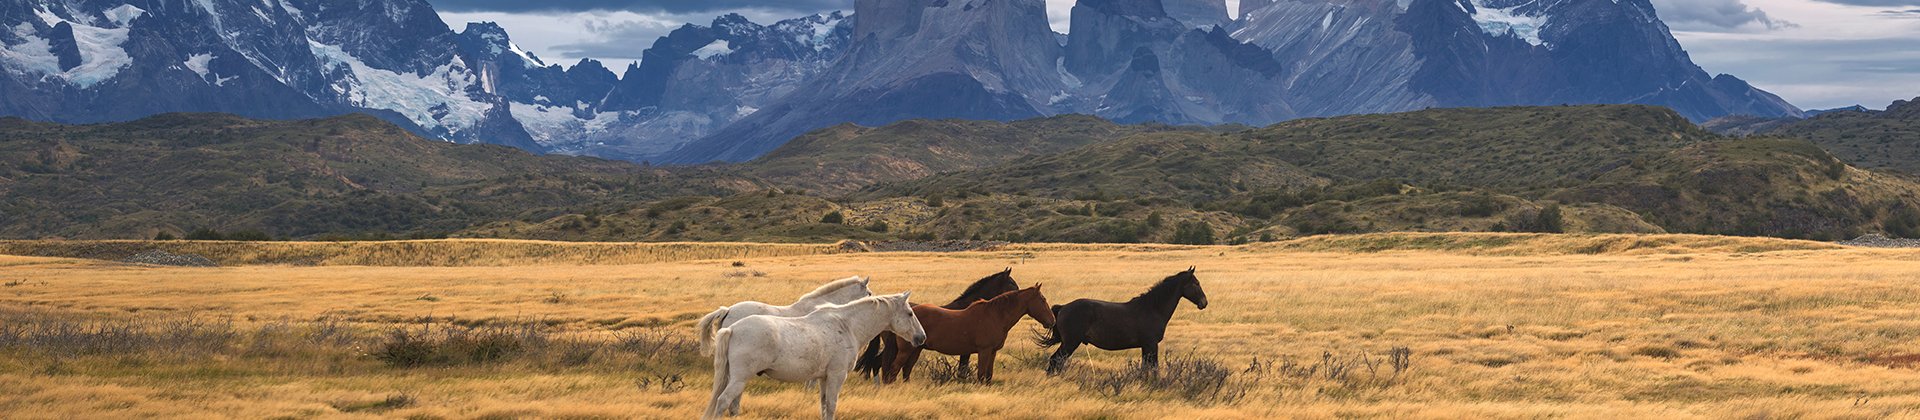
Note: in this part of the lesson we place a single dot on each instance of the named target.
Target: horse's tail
(708, 326)
(870, 364)
(1050, 336)
(721, 370)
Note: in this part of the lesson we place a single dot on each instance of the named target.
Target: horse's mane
(976, 302)
(978, 286)
(831, 287)
(1167, 286)
(1003, 297)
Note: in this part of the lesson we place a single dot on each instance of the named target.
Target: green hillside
(1067, 179)
(350, 175)
(1886, 140)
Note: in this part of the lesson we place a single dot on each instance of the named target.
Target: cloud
(1875, 3)
(1900, 14)
(1871, 72)
(1716, 15)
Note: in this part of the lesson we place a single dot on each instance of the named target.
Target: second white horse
(820, 346)
(833, 293)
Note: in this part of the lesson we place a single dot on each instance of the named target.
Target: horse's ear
(1009, 270)
(1191, 268)
(906, 295)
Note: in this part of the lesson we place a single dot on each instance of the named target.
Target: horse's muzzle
(1202, 304)
(919, 340)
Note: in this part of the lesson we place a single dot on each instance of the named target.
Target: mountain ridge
(733, 89)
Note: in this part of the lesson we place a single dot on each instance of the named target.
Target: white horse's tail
(708, 325)
(719, 405)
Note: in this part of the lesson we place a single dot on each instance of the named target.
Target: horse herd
(817, 339)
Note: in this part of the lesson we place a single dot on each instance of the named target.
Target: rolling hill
(1599, 168)
(349, 175)
(1882, 140)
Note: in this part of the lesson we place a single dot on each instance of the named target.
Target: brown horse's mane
(1167, 286)
(1002, 298)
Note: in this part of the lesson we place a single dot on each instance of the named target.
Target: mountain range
(734, 90)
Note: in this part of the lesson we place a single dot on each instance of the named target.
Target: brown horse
(882, 350)
(980, 328)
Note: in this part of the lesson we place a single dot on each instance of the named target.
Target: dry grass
(421, 253)
(1493, 326)
(503, 253)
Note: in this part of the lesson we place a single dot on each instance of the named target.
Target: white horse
(821, 346)
(833, 293)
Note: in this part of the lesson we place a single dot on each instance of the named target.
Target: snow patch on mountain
(123, 15)
(716, 49)
(550, 125)
(525, 57)
(1509, 20)
(437, 100)
(198, 64)
(34, 55)
(101, 52)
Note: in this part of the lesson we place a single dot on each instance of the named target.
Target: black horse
(1139, 323)
(881, 349)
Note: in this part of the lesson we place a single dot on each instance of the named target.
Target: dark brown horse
(1139, 323)
(882, 348)
(981, 328)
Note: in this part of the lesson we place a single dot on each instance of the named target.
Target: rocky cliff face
(971, 59)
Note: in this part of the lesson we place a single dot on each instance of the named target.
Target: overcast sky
(1815, 53)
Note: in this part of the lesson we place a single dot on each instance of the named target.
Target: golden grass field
(1498, 325)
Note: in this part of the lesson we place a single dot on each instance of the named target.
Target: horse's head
(1037, 307)
(1002, 282)
(1190, 288)
(994, 285)
(852, 292)
(900, 319)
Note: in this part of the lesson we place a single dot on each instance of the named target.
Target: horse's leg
(1058, 362)
(1150, 356)
(909, 356)
(830, 393)
(986, 367)
(963, 363)
(728, 404)
(891, 367)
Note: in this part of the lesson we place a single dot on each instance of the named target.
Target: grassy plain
(1498, 326)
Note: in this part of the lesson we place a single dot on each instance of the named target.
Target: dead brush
(432, 344)
(1189, 378)
(1353, 370)
(181, 337)
(944, 371)
(664, 383)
